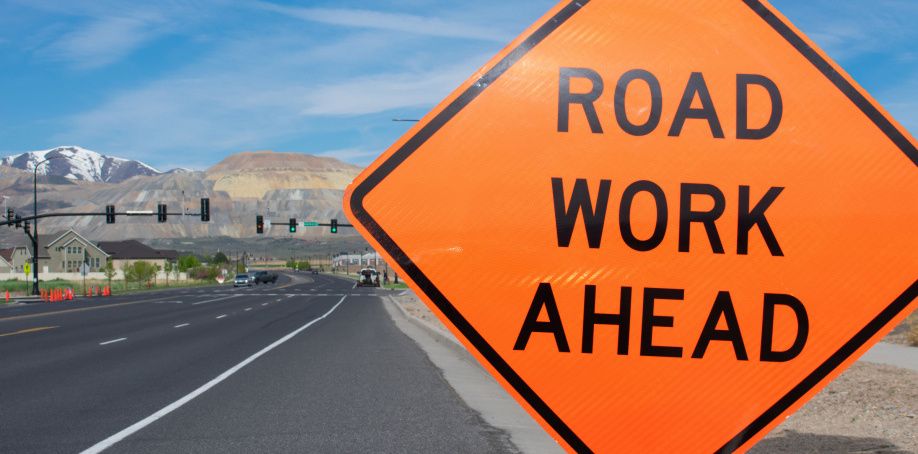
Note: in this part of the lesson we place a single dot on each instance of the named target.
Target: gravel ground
(869, 408)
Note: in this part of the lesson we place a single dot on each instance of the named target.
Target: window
(79, 249)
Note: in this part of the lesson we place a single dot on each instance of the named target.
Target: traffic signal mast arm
(261, 223)
(110, 212)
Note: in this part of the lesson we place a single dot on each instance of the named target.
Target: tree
(109, 271)
(167, 267)
(220, 257)
(188, 262)
(129, 275)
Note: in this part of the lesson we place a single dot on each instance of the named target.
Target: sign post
(662, 228)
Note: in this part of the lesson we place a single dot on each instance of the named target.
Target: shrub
(912, 320)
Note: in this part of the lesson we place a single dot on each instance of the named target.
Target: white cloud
(382, 92)
(850, 29)
(100, 43)
(390, 21)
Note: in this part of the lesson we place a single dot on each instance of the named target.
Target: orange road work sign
(663, 226)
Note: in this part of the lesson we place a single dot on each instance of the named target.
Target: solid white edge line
(112, 341)
(110, 441)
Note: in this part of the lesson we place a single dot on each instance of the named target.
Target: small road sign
(663, 226)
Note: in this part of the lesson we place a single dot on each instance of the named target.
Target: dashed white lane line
(218, 318)
(183, 324)
(218, 299)
(265, 304)
(248, 309)
(110, 441)
(112, 341)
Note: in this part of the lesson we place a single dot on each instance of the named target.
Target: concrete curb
(444, 337)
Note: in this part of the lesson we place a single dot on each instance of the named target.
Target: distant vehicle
(369, 277)
(264, 277)
(242, 279)
(315, 271)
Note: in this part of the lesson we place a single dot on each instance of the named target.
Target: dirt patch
(869, 408)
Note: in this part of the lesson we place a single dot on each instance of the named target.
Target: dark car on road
(263, 277)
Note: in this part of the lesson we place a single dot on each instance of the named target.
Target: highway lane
(348, 382)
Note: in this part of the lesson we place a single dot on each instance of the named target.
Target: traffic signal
(334, 226)
(259, 224)
(18, 221)
(9, 214)
(26, 227)
(109, 214)
(292, 225)
(205, 210)
(162, 212)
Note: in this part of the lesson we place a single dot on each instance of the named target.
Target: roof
(7, 254)
(43, 242)
(170, 254)
(129, 249)
(79, 238)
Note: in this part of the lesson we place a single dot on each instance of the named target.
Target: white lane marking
(183, 324)
(265, 304)
(110, 441)
(218, 299)
(218, 318)
(112, 341)
(248, 309)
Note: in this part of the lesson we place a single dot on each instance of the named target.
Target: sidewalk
(893, 354)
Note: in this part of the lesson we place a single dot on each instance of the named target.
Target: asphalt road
(310, 364)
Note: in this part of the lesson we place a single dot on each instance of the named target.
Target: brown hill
(278, 186)
(242, 175)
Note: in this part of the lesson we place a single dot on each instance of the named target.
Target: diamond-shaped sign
(663, 226)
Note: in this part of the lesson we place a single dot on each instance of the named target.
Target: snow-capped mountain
(80, 164)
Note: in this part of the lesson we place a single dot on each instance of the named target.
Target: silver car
(242, 279)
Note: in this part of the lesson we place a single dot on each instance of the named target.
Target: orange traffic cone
(7, 295)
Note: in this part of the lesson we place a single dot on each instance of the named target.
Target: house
(70, 250)
(22, 254)
(123, 253)
(6, 261)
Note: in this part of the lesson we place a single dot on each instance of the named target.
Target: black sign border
(477, 340)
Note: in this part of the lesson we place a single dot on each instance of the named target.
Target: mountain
(278, 186)
(80, 164)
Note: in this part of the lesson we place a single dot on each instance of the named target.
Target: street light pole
(34, 236)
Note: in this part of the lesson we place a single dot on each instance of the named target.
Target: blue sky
(186, 83)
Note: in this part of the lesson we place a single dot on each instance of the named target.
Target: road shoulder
(473, 383)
